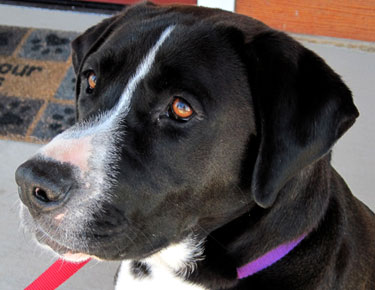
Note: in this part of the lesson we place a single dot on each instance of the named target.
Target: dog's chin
(62, 251)
(78, 249)
(77, 255)
(49, 243)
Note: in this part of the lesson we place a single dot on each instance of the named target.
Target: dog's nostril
(44, 185)
(41, 194)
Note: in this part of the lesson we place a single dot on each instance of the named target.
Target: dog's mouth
(75, 241)
(63, 251)
(80, 252)
(68, 244)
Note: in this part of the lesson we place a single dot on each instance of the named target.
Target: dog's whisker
(16, 205)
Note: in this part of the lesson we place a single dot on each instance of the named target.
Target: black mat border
(72, 5)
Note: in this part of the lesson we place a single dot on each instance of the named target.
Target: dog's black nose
(43, 184)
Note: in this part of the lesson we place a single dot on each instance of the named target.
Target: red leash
(55, 275)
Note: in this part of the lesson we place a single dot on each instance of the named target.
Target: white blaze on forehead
(141, 72)
(94, 140)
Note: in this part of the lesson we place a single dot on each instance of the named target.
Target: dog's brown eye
(91, 81)
(181, 109)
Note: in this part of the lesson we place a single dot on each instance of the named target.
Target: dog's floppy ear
(92, 37)
(302, 107)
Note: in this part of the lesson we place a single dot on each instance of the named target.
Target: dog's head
(186, 118)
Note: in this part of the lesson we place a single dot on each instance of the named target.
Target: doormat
(36, 83)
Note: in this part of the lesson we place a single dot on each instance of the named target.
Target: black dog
(201, 157)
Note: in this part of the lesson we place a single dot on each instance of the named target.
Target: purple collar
(268, 259)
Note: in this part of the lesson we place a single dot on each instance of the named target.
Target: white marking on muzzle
(92, 148)
(65, 147)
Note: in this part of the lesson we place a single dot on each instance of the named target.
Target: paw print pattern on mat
(10, 38)
(16, 115)
(66, 91)
(56, 119)
(48, 45)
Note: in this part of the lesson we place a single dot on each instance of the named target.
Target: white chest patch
(162, 269)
